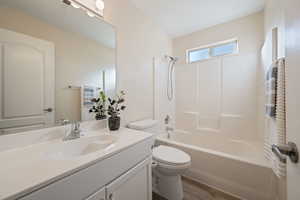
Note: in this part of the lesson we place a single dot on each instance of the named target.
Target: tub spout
(169, 130)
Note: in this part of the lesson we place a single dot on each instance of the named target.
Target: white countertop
(24, 169)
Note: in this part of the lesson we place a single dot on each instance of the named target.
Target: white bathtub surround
(278, 137)
(234, 166)
(220, 111)
(220, 95)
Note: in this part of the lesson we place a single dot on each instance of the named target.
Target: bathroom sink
(80, 147)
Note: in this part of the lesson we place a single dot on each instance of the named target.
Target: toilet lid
(170, 155)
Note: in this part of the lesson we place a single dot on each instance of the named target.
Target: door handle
(48, 110)
(282, 151)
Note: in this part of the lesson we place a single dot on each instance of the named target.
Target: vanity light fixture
(90, 14)
(67, 2)
(100, 4)
(75, 5)
(97, 11)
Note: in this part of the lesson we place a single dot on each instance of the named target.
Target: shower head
(172, 59)
(170, 89)
(175, 59)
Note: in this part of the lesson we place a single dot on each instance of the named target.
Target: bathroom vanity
(97, 166)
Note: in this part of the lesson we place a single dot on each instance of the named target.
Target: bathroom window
(199, 54)
(213, 50)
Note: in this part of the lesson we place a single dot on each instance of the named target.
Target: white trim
(275, 44)
(210, 46)
(214, 44)
(208, 129)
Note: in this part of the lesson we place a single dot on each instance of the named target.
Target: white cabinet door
(26, 82)
(100, 195)
(134, 185)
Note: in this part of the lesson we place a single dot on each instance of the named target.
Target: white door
(26, 82)
(134, 185)
(293, 91)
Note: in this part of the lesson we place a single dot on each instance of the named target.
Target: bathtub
(233, 166)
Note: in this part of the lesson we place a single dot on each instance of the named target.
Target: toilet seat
(170, 157)
(174, 167)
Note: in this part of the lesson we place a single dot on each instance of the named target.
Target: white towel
(87, 94)
(276, 130)
(271, 90)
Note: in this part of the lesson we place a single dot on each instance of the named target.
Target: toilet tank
(147, 125)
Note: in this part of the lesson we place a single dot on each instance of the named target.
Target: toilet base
(169, 187)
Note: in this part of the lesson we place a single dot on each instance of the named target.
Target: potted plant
(99, 106)
(114, 109)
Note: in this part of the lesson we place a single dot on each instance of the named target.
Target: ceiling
(67, 18)
(181, 17)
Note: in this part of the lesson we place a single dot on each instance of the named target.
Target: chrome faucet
(169, 128)
(75, 131)
(167, 119)
(169, 131)
(63, 122)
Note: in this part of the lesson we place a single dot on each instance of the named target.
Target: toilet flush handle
(154, 164)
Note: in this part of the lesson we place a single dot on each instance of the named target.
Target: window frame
(210, 47)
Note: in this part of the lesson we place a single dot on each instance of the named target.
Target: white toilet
(168, 164)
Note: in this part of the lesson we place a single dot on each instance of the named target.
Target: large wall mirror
(53, 60)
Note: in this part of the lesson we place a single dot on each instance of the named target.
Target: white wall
(274, 18)
(220, 95)
(138, 41)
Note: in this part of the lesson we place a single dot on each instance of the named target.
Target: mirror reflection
(52, 65)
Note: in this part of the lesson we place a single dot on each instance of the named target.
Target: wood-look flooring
(196, 191)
